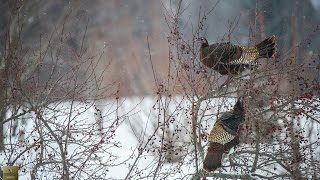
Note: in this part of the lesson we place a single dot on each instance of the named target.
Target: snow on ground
(136, 118)
(127, 125)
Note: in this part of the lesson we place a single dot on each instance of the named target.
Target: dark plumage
(224, 136)
(227, 58)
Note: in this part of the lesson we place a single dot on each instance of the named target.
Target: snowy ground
(127, 125)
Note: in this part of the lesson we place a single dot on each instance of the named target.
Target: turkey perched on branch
(227, 58)
(224, 136)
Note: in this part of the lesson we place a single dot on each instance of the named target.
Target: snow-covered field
(126, 144)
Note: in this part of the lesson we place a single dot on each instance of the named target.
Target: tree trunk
(2, 100)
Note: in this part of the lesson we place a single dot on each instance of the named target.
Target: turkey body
(224, 136)
(227, 58)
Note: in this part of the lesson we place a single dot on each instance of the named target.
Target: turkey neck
(205, 56)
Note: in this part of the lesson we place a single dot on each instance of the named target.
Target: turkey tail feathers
(212, 161)
(267, 48)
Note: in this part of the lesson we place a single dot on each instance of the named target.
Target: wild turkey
(224, 136)
(227, 58)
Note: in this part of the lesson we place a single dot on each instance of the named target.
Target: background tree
(52, 83)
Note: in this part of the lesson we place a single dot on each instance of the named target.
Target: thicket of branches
(279, 138)
(45, 90)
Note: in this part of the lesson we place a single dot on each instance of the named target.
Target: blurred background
(121, 27)
(46, 46)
